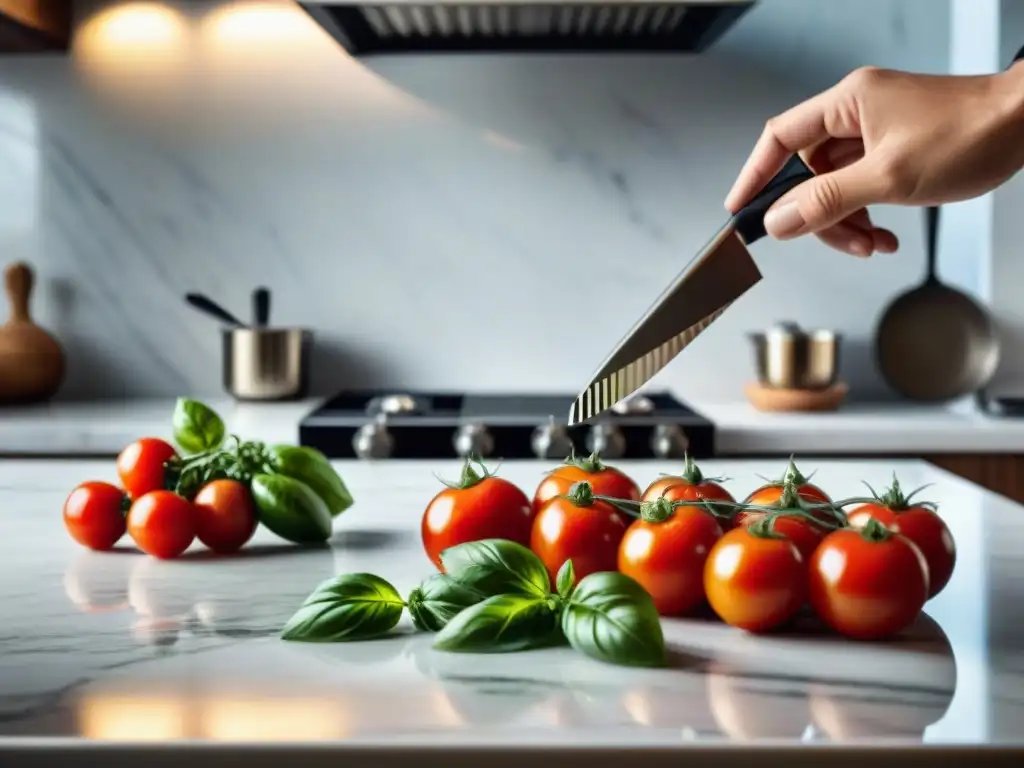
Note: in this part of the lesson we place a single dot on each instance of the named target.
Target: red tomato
(691, 485)
(162, 524)
(769, 493)
(225, 515)
(755, 582)
(919, 524)
(580, 529)
(479, 506)
(801, 531)
(667, 558)
(868, 584)
(94, 515)
(604, 480)
(141, 466)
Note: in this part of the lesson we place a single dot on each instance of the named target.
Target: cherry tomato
(801, 531)
(162, 524)
(755, 582)
(919, 524)
(94, 515)
(225, 515)
(868, 584)
(604, 480)
(580, 529)
(667, 558)
(691, 485)
(769, 493)
(141, 466)
(479, 506)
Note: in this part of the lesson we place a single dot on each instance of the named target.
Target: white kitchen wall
(488, 222)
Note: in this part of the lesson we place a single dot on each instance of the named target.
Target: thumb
(820, 202)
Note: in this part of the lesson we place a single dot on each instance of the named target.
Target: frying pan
(935, 343)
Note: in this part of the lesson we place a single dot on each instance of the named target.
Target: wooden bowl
(773, 400)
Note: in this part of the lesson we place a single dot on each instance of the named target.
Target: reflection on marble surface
(119, 646)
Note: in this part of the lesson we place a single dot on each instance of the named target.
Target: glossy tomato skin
(607, 482)
(225, 515)
(94, 515)
(667, 558)
(923, 527)
(801, 531)
(678, 489)
(755, 583)
(493, 508)
(587, 535)
(865, 589)
(141, 465)
(162, 524)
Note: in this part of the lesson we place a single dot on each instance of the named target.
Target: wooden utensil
(31, 360)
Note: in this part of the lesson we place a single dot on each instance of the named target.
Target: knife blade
(720, 273)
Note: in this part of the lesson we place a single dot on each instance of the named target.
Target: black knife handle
(749, 220)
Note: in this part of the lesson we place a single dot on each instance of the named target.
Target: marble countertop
(103, 428)
(118, 648)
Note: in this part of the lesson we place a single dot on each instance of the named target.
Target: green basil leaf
(437, 600)
(502, 624)
(354, 606)
(497, 567)
(566, 579)
(612, 618)
(197, 427)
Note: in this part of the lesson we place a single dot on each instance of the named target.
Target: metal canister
(787, 357)
(266, 363)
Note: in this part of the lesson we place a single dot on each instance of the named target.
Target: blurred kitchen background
(475, 222)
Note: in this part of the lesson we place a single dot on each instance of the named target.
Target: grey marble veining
(408, 208)
(121, 647)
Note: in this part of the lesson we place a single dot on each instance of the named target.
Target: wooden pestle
(31, 360)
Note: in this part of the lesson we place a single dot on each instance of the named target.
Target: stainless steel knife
(721, 272)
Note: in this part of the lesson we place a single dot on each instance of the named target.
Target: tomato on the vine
(478, 506)
(919, 523)
(770, 492)
(691, 485)
(755, 580)
(141, 465)
(665, 552)
(580, 528)
(795, 518)
(162, 524)
(869, 583)
(603, 479)
(225, 515)
(94, 515)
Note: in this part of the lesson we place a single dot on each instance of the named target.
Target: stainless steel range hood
(485, 26)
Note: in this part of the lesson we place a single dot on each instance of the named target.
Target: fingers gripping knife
(721, 272)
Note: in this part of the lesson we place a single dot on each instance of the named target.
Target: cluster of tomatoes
(866, 573)
(161, 522)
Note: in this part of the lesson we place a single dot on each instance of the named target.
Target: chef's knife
(722, 271)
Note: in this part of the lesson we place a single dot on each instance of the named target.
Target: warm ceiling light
(136, 26)
(133, 718)
(278, 719)
(258, 22)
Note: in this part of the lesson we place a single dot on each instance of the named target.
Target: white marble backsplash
(462, 221)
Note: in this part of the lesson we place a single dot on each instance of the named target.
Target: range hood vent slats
(393, 26)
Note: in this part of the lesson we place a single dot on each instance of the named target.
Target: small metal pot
(787, 357)
(266, 363)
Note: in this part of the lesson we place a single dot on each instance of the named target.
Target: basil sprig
(495, 597)
(197, 427)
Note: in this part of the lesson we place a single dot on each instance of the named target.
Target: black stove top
(422, 425)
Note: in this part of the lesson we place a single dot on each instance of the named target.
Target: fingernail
(860, 248)
(784, 221)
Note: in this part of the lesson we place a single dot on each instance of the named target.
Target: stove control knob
(607, 440)
(373, 440)
(473, 440)
(551, 441)
(669, 441)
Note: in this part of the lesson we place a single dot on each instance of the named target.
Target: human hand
(882, 136)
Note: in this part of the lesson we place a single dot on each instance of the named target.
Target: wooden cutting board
(31, 360)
